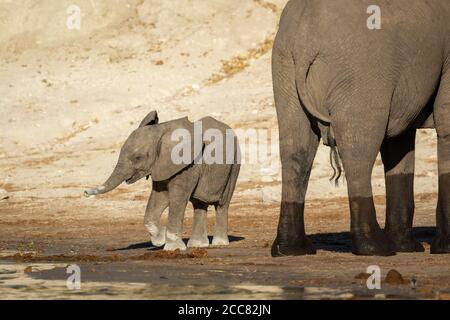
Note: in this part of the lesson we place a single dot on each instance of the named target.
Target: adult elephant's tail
(336, 164)
(335, 159)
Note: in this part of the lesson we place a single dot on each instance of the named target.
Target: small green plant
(25, 246)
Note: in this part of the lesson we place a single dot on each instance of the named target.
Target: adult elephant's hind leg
(359, 142)
(398, 158)
(298, 146)
(441, 243)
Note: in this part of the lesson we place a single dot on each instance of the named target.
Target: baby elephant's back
(219, 156)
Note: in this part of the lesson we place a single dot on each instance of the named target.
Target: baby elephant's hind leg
(221, 228)
(199, 238)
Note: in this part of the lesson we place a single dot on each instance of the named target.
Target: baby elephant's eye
(138, 157)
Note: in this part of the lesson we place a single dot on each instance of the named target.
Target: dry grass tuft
(240, 63)
(268, 5)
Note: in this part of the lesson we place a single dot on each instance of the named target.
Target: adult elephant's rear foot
(298, 247)
(405, 242)
(367, 237)
(373, 244)
(441, 245)
(291, 239)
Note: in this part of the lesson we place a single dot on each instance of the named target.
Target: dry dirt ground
(69, 98)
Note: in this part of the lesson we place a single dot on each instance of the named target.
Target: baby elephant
(197, 162)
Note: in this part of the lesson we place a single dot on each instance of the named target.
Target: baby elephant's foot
(440, 245)
(220, 240)
(175, 245)
(174, 242)
(198, 242)
(159, 239)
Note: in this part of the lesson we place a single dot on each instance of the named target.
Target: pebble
(395, 278)
(3, 194)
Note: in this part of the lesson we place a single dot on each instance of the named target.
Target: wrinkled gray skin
(147, 152)
(369, 90)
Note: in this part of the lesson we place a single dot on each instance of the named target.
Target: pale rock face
(87, 89)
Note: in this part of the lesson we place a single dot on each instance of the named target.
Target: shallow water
(48, 281)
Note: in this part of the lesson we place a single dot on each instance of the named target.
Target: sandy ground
(117, 260)
(69, 98)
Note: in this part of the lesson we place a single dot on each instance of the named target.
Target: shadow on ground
(148, 245)
(341, 241)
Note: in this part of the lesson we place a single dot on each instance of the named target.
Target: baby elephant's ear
(175, 153)
(150, 119)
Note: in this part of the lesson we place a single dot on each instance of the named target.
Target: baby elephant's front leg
(174, 230)
(158, 202)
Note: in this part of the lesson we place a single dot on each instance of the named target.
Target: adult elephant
(364, 91)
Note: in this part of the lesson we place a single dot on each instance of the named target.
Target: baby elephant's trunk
(107, 187)
(118, 176)
(94, 191)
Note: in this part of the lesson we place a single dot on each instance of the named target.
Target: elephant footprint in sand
(196, 162)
